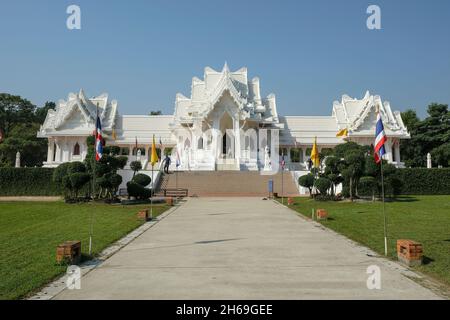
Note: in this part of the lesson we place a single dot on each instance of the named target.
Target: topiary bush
(323, 185)
(135, 166)
(368, 186)
(136, 187)
(142, 179)
(71, 177)
(307, 181)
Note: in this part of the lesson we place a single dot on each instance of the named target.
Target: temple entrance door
(224, 145)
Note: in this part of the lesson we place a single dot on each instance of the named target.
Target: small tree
(352, 168)
(72, 177)
(332, 172)
(136, 187)
(136, 166)
(78, 180)
(369, 184)
(323, 185)
(307, 181)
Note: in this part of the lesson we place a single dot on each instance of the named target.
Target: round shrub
(323, 185)
(367, 186)
(138, 191)
(116, 180)
(135, 166)
(306, 181)
(78, 180)
(77, 167)
(142, 179)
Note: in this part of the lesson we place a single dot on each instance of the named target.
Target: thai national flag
(282, 162)
(178, 162)
(98, 140)
(380, 139)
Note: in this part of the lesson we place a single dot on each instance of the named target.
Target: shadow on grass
(403, 199)
(426, 260)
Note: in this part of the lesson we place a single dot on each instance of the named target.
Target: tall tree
(19, 123)
(14, 110)
(427, 135)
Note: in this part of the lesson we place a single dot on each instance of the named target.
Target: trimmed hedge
(424, 181)
(28, 182)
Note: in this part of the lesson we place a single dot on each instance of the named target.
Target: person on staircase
(167, 163)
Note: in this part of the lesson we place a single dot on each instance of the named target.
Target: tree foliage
(105, 179)
(71, 177)
(137, 187)
(307, 181)
(19, 122)
(431, 135)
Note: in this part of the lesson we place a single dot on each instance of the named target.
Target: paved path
(242, 248)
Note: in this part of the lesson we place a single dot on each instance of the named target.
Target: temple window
(54, 152)
(296, 155)
(200, 143)
(326, 152)
(124, 151)
(308, 152)
(76, 149)
(282, 151)
(136, 149)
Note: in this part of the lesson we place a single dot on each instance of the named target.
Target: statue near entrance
(267, 164)
(18, 159)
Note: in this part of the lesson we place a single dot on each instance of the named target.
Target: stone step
(230, 183)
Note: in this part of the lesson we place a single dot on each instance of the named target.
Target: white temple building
(220, 126)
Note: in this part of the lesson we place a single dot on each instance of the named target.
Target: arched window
(142, 151)
(54, 152)
(296, 155)
(200, 143)
(76, 149)
(158, 152)
(124, 151)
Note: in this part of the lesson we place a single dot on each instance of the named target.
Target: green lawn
(30, 232)
(425, 219)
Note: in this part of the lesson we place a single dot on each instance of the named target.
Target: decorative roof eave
(225, 84)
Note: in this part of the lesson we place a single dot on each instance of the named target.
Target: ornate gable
(206, 93)
(356, 114)
(79, 114)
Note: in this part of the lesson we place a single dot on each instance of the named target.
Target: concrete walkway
(242, 248)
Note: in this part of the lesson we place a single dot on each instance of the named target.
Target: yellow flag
(315, 155)
(342, 133)
(114, 136)
(154, 157)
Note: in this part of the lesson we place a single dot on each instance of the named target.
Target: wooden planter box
(290, 201)
(69, 252)
(409, 252)
(143, 214)
(169, 201)
(321, 214)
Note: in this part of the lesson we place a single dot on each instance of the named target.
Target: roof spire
(225, 67)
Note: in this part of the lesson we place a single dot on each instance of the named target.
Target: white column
(50, 149)
(397, 152)
(388, 146)
(58, 157)
(237, 142)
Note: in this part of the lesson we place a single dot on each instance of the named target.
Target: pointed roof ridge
(225, 67)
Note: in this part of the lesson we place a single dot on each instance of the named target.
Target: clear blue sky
(308, 53)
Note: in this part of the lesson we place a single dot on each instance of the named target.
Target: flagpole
(384, 209)
(151, 198)
(282, 181)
